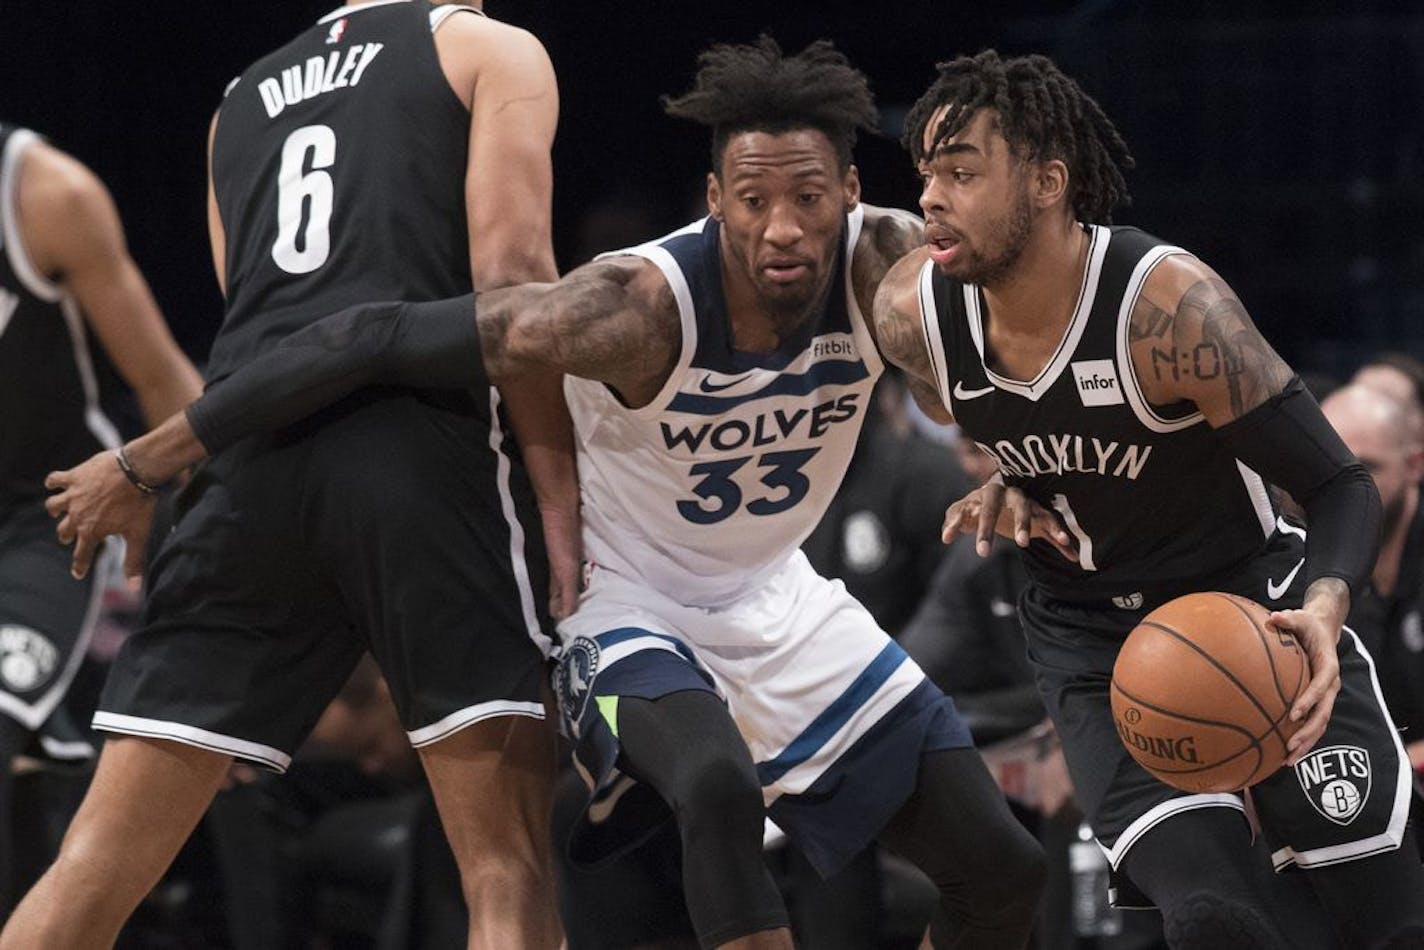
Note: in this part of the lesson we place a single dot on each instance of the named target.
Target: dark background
(1285, 146)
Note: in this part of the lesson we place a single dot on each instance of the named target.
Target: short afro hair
(756, 88)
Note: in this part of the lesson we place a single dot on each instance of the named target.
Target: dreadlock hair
(755, 88)
(1042, 114)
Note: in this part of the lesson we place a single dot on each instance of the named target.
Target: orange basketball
(1202, 691)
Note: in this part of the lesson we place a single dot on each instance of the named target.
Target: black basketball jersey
(339, 170)
(49, 394)
(1152, 496)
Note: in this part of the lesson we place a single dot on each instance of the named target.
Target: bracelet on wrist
(122, 457)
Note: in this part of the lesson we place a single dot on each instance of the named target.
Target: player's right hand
(94, 500)
(996, 508)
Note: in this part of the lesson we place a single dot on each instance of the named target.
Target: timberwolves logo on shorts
(575, 675)
(1336, 780)
(26, 659)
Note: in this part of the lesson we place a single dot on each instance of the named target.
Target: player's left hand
(94, 500)
(1318, 632)
(994, 508)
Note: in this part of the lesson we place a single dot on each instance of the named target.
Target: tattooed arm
(1192, 340)
(614, 321)
(900, 335)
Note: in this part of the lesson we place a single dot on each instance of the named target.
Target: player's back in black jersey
(339, 167)
(49, 393)
(1152, 496)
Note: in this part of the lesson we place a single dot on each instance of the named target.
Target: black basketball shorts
(46, 621)
(395, 522)
(1347, 799)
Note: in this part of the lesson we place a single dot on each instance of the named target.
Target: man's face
(1394, 466)
(975, 199)
(782, 201)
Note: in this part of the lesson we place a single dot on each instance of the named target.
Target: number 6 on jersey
(294, 189)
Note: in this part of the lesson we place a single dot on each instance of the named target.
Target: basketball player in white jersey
(1118, 382)
(722, 375)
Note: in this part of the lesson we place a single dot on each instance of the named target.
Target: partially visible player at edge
(717, 378)
(1118, 382)
(67, 282)
(389, 151)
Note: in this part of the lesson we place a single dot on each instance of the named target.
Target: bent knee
(1208, 921)
(718, 786)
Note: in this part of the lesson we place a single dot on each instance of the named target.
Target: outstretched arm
(1192, 340)
(614, 321)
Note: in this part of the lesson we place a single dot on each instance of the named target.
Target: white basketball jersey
(706, 491)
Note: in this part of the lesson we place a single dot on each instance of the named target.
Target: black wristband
(122, 457)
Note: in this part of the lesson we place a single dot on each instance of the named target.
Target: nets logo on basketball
(1336, 781)
(1167, 748)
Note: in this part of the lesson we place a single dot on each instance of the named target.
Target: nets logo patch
(27, 659)
(1336, 781)
(574, 679)
(1097, 383)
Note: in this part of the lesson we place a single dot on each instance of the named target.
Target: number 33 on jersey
(739, 453)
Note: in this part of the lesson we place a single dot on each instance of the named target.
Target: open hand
(94, 500)
(993, 507)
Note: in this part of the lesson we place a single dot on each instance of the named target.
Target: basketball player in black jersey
(781, 196)
(66, 282)
(393, 150)
(1120, 385)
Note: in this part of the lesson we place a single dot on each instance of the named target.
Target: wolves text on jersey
(1063, 453)
(767, 428)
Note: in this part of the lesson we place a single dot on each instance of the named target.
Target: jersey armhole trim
(864, 340)
(1131, 387)
(34, 281)
(687, 315)
(440, 14)
(934, 339)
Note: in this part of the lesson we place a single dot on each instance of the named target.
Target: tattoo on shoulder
(888, 236)
(1210, 339)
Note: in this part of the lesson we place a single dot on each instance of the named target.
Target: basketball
(1202, 690)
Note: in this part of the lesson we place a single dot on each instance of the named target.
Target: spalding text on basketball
(1173, 749)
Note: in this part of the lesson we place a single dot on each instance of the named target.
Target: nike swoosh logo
(961, 393)
(707, 386)
(1274, 590)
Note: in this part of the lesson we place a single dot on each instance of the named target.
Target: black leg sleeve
(433, 345)
(989, 870)
(1215, 890)
(12, 740)
(686, 746)
(1376, 902)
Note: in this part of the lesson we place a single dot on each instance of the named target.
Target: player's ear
(852, 187)
(1050, 183)
(714, 196)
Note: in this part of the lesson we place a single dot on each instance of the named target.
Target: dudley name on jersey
(1152, 497)
(721, 477)
(339, 168)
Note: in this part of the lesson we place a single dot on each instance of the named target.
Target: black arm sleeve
(1288, 442)
(433, 345)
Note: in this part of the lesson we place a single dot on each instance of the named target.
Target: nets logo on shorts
(27, 659)
(1336, 781)
(572, 682)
